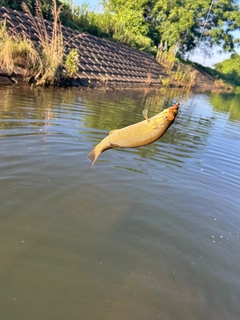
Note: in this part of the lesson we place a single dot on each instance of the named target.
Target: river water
(147, 233)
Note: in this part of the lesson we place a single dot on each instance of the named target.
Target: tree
(46, 7)
(229, 69)
(14, 4)
(147, 23)
(128, 24)
(185, 22)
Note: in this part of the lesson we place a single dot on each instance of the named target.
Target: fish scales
(138, 134)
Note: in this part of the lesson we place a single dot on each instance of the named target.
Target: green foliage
(89, 21)
(166, 82)
(71, 63)
(127, 25)
(182, 22)
(229, 69)
(14, 4)
(237, 90)
(144, 24)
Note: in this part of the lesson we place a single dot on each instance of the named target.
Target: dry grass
(43, 61)
(220, 85)
(149, 78)
(166, 56)
(51, 48)
(184, 78)
(16, 51)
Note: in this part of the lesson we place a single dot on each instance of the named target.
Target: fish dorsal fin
(145, 114)
(151, 122)
(112, 131)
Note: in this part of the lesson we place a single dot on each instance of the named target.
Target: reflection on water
(148, 233)
(227, 103)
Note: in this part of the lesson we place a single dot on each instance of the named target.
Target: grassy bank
(47, 62)
(43, 63)
(179, 75)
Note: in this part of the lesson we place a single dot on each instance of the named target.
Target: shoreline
(101, 62)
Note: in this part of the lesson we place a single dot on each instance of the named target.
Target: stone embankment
(101, 62)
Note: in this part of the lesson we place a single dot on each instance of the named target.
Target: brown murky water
(148, 233)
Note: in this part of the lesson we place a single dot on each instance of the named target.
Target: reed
(16, 51)
(50, 48)
(185, 78)
(44, 62)
(182, 77)
(166, 55)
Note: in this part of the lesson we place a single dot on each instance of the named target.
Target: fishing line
(198, 44)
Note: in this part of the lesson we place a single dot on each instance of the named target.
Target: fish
(136, 135)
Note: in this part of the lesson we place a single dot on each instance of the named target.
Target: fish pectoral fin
(112, 131)
(114, 145)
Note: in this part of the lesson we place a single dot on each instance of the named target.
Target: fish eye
(166, 117)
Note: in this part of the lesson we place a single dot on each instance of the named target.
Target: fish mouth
(175, 106)
(173, 111)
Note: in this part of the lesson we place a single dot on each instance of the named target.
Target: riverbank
(101, 62)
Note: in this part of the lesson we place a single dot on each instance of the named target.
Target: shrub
(71, 63)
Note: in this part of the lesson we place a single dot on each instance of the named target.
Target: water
(148, 233)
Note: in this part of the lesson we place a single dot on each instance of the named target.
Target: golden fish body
(138, 134)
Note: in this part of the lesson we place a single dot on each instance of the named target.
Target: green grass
(44, 62)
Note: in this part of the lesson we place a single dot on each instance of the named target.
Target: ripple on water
(144, 232)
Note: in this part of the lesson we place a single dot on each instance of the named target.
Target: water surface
(148, 233)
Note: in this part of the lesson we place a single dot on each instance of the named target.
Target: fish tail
(98, 149)
(93, 155)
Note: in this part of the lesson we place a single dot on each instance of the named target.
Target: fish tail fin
(93, 155)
